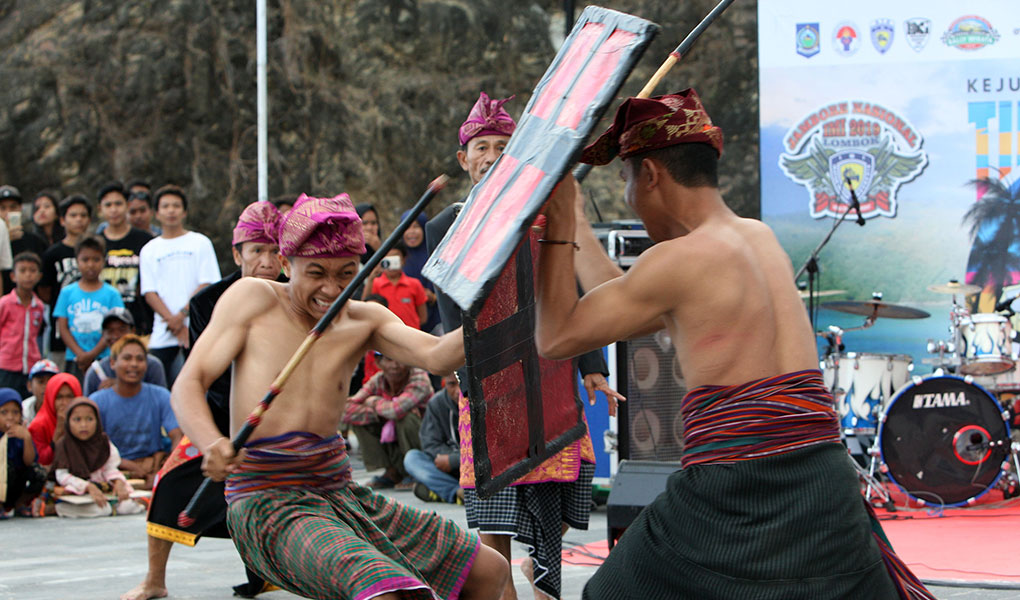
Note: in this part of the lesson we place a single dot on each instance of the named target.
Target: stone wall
(365, 96)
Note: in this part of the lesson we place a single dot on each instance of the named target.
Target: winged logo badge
(858, 144)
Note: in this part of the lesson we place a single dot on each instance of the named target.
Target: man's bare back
(736, 315)
(723, 289)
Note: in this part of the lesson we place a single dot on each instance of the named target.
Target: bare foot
(528, 568)
(144, 592)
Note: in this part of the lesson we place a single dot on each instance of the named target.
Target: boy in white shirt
(174, 266)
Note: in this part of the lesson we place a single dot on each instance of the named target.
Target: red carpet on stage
(976, 544)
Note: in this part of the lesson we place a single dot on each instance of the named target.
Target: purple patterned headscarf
(487, 117)
(259, 222)
(322, 228)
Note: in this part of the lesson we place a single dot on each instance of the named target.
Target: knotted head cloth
(643, 124)
(259, 222)
(487, 117)
(322, 228)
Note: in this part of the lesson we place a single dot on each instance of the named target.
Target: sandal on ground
(381, 482)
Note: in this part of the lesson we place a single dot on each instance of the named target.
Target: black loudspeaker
(650, 425)
(636, 484)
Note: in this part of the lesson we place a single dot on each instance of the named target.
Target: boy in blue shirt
(82, 305)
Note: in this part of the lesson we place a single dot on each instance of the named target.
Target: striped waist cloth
(775, 415)
(293, 460)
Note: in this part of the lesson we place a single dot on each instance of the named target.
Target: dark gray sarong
(783, 527)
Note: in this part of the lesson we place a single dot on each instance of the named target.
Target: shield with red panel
(525, 408)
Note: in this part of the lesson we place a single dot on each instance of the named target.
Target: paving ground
(58, 559)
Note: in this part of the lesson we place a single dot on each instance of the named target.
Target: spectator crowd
(94, 327)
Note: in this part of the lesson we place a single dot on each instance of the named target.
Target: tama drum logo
(942, 400)
(852, 145)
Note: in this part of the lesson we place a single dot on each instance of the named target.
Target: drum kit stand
(943, 439)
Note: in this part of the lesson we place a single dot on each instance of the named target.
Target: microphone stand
(812, 262)
(811, 266)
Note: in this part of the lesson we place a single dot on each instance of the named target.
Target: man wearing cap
(538, 508)
(38, 376)
(766, 504)
(21, 240)
(257, 253)
(294, 513)
(117, 323)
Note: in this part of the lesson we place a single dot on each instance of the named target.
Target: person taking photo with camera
(405, 294)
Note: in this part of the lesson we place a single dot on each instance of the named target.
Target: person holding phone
(21, 240)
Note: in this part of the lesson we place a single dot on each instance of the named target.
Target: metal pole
(262, 105)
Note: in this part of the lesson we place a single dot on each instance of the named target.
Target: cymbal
(955, 287)
(874, 308)
(821, 293)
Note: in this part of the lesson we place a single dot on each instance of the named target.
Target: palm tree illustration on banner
(994, 222)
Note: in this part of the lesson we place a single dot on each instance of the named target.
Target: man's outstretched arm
(410, 346)
(620, 308)
(222, 340)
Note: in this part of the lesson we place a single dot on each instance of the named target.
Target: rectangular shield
(580, 83)
(524, 408)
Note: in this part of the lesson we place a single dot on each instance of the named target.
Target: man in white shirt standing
(174, 266)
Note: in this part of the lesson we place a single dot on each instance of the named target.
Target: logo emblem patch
(808, 41)
(882, 31)
(970, 33)
(917, 31)
(846, 39)
(855, 145)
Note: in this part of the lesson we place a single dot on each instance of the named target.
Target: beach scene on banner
(914, 108)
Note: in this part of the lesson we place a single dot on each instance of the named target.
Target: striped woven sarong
(299, 521)
(767, 506)
(724, 424)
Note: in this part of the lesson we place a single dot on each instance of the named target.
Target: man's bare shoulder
(368, 312)
(250, 295)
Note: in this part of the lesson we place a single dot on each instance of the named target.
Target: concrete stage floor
(63, 559)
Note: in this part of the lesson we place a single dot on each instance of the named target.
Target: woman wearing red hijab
(48, 424)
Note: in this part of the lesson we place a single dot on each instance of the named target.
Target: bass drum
(944, 441)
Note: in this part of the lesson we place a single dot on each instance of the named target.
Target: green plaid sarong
(349, 543)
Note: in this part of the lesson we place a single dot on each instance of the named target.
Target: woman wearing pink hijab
(48, 424)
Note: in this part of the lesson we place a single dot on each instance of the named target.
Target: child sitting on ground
(86, 462)
(20, 479)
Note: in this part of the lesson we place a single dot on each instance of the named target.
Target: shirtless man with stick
(296, 517)
(767, 504)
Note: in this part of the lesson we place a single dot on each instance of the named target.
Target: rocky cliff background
(365, 96)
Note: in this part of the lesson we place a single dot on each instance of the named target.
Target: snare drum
(944, 441)
(985, 343)
(863, 384)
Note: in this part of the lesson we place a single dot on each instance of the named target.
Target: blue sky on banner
(946, 72)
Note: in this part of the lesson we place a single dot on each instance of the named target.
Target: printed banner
(914, 107)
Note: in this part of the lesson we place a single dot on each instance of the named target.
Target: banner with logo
(914, 107)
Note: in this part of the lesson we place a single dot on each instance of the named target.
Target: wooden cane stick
(187, 517)
(674, 57)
